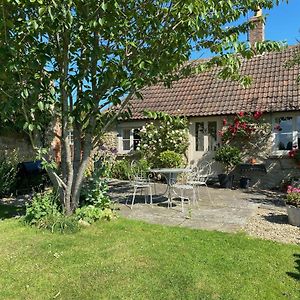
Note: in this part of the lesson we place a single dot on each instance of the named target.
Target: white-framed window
(206, 136)
(286, 133)
(129, 139)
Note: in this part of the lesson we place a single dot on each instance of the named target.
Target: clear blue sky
(282, 24)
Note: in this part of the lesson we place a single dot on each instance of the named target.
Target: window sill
(280, 154)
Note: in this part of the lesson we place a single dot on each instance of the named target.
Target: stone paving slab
(225, 210)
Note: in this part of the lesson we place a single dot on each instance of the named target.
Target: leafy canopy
(68, 60)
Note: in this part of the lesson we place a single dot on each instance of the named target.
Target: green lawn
(126, 259)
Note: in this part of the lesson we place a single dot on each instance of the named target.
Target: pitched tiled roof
(274, 88)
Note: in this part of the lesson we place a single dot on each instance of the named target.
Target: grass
(126, 259)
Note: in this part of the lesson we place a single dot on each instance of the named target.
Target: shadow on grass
(10, 211)
(296, 275)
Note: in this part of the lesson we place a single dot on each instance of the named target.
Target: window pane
(126, 134)
(212, 135)
(284, 141)
(200, 136)
(297, 144)
(298, 124)
(285, 124)
(126, 144)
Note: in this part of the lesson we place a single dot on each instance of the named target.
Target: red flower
(220, 133)
(292, 153)
(237, 123)
(224, 122)
(241, 113)
(257, 115)
(244, 125)
(277, 127)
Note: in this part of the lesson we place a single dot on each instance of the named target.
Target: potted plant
(229, 156)
(293, 205)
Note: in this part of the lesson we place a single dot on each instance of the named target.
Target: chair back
(138, 174)
(201, 173)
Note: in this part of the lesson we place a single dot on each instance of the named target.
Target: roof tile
(273, 88)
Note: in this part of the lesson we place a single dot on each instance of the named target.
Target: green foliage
(170, 159)
(293, 199)
(244, 126)
(229, 156)
(91, 214)
(96, 203)
(123, 169)
(95, 191)
(42, 206)
(69, 60)
(8, 171)
(45, 213)
(165, 133)
(293, 196)
(59, 223)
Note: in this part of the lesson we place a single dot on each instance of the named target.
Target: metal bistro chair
(181, 190)
(184, 189)
(139, 179)
(199, 178)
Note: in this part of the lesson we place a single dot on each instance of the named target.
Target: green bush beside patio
(126, 259)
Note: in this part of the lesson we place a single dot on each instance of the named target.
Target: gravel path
(272, 224)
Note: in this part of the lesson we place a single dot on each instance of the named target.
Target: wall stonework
(13, 141)
(277, 170)
(110, 139)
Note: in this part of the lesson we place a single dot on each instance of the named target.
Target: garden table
(170, 175)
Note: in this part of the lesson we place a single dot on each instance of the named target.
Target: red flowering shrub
(295, 154)
(244, 125)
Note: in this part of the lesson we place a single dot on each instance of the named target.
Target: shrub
(244, 126)
(229, 156)
(44, 212)
(164, 133)
(42, 206)
(123, 169)
(170, 159)
(8, 172)
(91, 213)
(94, 192)
(95, 203)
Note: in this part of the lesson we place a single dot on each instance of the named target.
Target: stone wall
(12, 141)
(277, 171)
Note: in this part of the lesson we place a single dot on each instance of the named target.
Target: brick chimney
(257, 34)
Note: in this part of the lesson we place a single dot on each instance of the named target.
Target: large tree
(68, 60)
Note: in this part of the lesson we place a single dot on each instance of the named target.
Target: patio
(259, 213)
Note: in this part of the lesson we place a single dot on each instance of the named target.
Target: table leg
(169, 196)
